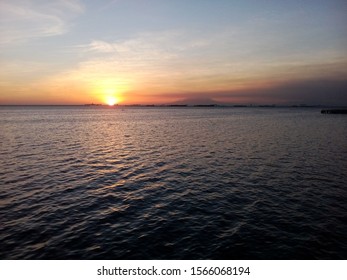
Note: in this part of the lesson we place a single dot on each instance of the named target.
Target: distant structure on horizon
(92, 104)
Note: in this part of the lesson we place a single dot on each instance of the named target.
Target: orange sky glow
(232, 52)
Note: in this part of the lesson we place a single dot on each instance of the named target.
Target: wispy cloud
(21, 20)
(165, 41)
(172, 61)
(101, 46)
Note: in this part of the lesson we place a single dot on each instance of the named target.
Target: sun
(111, 100)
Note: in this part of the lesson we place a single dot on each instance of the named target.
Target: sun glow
(111, 100)
(109, 92)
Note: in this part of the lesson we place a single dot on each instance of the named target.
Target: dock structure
(334, 111)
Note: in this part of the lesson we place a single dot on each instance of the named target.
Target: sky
(173, 51)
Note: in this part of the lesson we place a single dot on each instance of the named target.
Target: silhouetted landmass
(221, 105)
(206, 105)
(178, 105)
(197, 101)
(272, 105)
(92, 104)
(331, 110)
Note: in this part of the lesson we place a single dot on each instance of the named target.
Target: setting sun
(111, 100)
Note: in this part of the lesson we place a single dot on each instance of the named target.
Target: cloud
(142, 57)
(314, 91)
(165, 67)
(322, 91)
(170, 41)
(22, 20)
(101, 46)
(153, 66)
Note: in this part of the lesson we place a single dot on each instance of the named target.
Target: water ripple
(172, 184)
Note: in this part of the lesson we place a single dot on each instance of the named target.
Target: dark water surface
(172, 183)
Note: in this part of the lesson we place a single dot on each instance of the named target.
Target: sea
(94, 182)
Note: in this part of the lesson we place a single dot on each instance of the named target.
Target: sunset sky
(169, 51)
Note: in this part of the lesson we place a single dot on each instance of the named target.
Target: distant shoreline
(174, 106)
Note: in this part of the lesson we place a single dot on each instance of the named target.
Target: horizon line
(176, 105)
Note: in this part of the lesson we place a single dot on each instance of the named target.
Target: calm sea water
(172, 183)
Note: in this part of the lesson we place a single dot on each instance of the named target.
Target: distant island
(212, 105)
(93, 104)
